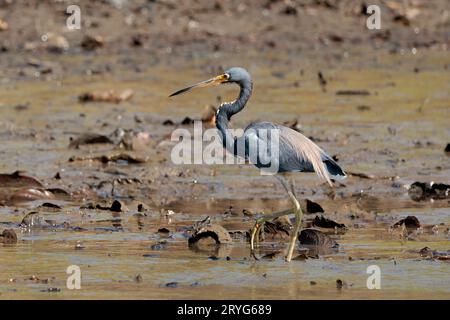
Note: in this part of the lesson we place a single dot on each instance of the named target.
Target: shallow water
(400, 139)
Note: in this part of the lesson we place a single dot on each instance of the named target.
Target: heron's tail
(334, 169)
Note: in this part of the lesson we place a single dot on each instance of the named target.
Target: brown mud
(90, 182)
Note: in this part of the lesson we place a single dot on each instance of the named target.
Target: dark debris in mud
(121, 157)
(89, 138)
(34, 220)
(433, 254)
(410, 222)
(447, 148)
(322, 222)
(8, 236)
(116, 206)
(313, 207)
(352, 93)
(280, 226)
(17, 179)
(313, 237)
(214, 231)
(422, 191)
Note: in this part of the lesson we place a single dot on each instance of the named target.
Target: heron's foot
(256, 231)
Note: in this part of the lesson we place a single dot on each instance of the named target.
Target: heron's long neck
(227, 110)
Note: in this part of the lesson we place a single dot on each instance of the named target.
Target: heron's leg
(260, 223)
(298, 215)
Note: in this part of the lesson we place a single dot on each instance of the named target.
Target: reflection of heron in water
(296, 153)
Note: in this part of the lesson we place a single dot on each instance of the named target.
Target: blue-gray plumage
(297, 153)
(262, 140)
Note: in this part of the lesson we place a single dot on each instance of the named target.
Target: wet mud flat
(139, 248)
(87, 177)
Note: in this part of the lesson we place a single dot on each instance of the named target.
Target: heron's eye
(227, 76)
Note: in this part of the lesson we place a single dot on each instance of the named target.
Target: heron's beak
(207, 83)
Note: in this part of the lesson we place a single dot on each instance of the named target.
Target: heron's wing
(307, 153)
(295, 151)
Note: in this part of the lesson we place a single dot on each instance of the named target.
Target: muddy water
(398, 136)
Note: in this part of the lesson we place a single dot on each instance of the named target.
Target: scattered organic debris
(79, 245)
(3, 25)
(130, 159)
(142, 207)
(51, 289)
(187, 121)
(168, 122)
(31, 194)
(171, 285)
(410, 222)
(90, 43)
(322, 222)
(138, 278)
(49, 205)
(130, 139)
(35, 220)
(361, 175)
(313, 207)
(89, 138)
(322, 81)
(340, 284)
(433, 254)
(294, 125)
(352, 93)
(272, 255)
(422, 191)
(363, 107)
(214, 231)
(8, 236)
(161, 245)
(116, 206)
(279, 226)
(313, 237)
(17, 180)
(106, 96)
(164, 231)
(447, 148)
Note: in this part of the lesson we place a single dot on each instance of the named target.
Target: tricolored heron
(296, 153)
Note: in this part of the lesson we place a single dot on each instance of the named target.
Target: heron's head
(233, 75)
